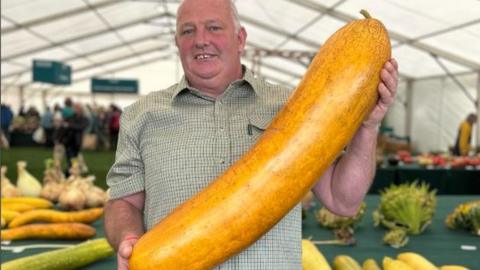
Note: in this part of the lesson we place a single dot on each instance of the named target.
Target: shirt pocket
(257, 124)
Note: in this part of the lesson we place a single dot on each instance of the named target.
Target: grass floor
(98, 162)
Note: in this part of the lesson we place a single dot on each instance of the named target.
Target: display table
(438, 243)
(446, 181)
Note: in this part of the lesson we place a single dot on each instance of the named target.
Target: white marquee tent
(437, 44)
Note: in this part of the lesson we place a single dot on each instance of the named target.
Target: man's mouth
(203, 56)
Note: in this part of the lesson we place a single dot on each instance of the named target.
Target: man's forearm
(122, 219)
(354, 172)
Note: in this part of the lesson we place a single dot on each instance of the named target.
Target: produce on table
(370, 264)
(345, 262)
(453, 267)
(28, 185)
(8, 189)
(54, 216)
(70, 258)
(392, 264)
(70, 231)
(18, 207)
(312, 258)
(396, 238)
(416, 261)
(3, 222)
(319, 119)
(409, 207)
(79, 192)
(37, 203)
(53, 180)
(8, 215)
(343, 227)
(23, 204)
(465, 216)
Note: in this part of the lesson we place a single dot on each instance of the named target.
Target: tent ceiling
(103, 37)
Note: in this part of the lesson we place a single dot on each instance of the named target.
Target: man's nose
(201, 39)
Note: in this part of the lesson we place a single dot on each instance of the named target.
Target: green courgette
(63, 259)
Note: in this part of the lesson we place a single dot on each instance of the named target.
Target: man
(464, 136)
(173, 143)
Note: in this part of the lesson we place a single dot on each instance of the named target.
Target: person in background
(114, 125)
(74, 128)
(68, 110)
(6, 115)
(47, 124)
(175, 142)
(464, 136)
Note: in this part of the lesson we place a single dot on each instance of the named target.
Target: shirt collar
(248, 77)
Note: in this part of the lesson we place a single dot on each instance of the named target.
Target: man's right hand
(124, 251)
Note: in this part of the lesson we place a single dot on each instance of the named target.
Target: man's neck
(216, 89)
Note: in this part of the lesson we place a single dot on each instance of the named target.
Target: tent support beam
(409, 109)
(397, 36)
(101, 50)
(58, 16)
(454, 79)
(84, 36)
(478, 111)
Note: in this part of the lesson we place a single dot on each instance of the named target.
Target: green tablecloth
(438, 244)
(446, 181)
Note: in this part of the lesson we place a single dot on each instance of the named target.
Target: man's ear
(176, 41)
(242, 39)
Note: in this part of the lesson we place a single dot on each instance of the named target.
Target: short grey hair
(233, 11)
(235, 17)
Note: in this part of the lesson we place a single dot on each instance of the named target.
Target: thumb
(125, 248)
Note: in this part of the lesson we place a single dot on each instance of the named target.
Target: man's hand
(125, 251)
(387, 89)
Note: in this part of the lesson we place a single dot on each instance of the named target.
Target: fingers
(386, 97)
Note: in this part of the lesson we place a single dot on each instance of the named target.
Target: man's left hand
(387, 89)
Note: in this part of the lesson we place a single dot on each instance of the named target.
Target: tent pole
(408, 108)
(478, 111)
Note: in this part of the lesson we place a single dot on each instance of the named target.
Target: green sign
(53, 72)
(114, 86)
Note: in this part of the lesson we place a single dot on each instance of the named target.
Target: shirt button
(222, 128)
(221, 161)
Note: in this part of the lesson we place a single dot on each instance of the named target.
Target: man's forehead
(205, 21)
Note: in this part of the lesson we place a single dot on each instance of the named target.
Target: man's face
(209, 46)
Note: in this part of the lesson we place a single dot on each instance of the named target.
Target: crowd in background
(71, 124)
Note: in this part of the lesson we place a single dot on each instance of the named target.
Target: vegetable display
(345, 262)
(465, 216)
(54, 216)
(405, 209)
(73, 231)
(64, 259)
(337, 92)
(27, 184)
(343, 227)
(312, 258)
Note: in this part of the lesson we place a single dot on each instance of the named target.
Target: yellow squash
(312, 258)
(55, 216)
(337, 92)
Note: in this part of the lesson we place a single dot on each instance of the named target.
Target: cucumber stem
(365, 14)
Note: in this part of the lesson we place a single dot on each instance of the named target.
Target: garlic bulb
(72, 198)
(28, 185)
(8, 189)
(53, 181)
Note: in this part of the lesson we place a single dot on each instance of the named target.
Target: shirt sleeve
(126, 176)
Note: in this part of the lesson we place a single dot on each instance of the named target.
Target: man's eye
(214, 28)
(187, 31)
